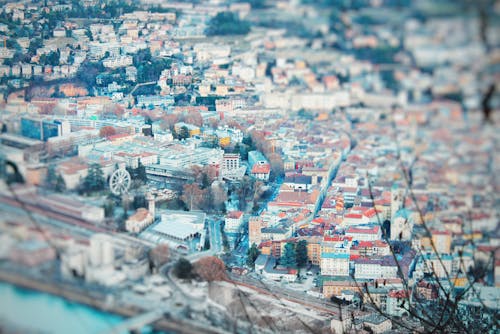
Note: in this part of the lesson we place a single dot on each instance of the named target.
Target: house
(32, 253)
(141, 219)
(255, 157)
(335, 264)
(275, 233)
(336, 285)
(298, 182)
(261, 171)
(377, 323)
(261, 262)
(233, 221)
(255, 225)
(364, 232)
(278, 273)
(397, 303)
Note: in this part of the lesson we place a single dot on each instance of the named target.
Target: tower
(397, 200)
(151, 204)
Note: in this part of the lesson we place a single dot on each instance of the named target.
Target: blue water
(41, 312)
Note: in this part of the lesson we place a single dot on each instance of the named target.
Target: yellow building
(224, 141)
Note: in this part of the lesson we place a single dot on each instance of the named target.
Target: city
(249, 166)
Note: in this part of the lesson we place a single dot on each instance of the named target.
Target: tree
(301, 251)
(107, 131)
(158, 256)
(194, 197)
(289, 257)
(94, 181)
(53, 180)
(50, 178)
(109, 208)
(227, 23)
(277, 166)
(219, 196)
(183, 269)
(252, 255)
(210, 269)
(139, 201)
(60, 184)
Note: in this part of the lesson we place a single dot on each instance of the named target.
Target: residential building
(233, 221)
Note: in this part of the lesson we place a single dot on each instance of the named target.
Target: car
(309, 273)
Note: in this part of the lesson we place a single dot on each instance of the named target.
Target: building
(254, 230)
(261, 171)
(277, 273)
(397, 303)
(193, 130)
(335, 264)
(402, 225)
(43, 129)
(101, 251)
(335, 286)
(141, 219)
(32, 253)
(233, 221)
(364, 232)
(255, 157)
(377, 323)
(177, 228)
(314, 250)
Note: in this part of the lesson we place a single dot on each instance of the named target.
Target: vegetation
(301, 252)
(183, 269)
(252, 255)
(94, 181)
(158, 256)
(227, 23)
(53, 180)
(210, 269)
(289, 257)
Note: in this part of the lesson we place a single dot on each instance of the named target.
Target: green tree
(252, 255)
(183, 133)
(94, 181)
(227, 23)
(109, 208)
(60, 184)
(301, 251)
(51, 177)
(289, 257)
(183, 268)
(53, 180)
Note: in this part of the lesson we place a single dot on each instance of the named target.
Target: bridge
(138, 322)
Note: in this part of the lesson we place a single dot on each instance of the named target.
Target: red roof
(235, 214)
(353, 216)
(261, 169)
(360, 230)
(398, 294)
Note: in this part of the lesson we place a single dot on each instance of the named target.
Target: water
(40, 312)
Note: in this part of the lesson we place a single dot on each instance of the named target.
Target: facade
(43, 129)
(254, 230)
(139, 221)
(261, 171)
(364, 232)
(335, 264)
(233, 221)
(395, 304)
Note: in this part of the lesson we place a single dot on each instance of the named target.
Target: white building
(335, 264)
(233, 221)
(139, 221)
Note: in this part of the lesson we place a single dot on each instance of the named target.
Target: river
(23, 310)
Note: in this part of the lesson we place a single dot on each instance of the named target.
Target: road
(215, 235)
